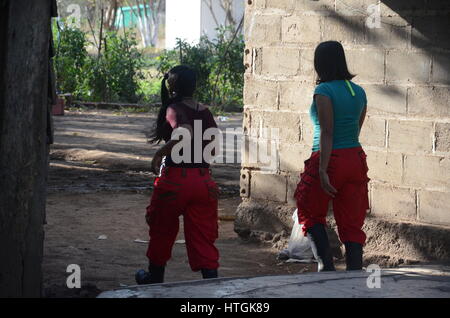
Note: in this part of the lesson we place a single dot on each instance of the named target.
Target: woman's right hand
(156, 163)
(325, 184)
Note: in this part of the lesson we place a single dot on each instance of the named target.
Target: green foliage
(219, 67)
(149, 90)
(70, 59)
(111, 76)
(118, 73)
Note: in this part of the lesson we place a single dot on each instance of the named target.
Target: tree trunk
(24, 61)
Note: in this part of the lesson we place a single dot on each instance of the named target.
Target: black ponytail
(183, 80)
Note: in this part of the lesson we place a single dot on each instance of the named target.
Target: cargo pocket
(164, 197)
(364, 180)
(363, 158)
(166, 191)
(213, 190)
(308, 178)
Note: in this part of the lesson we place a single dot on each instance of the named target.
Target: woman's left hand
(325, 183)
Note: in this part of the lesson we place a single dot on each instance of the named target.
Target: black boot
(353, 256)
(320, 246)
(155, 275)
(209, 273)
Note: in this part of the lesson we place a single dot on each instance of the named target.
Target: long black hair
(330, 63)
(182, 81)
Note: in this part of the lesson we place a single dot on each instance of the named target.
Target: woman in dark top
(337, 168)
(184, 185)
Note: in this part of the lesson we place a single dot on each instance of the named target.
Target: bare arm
(325, 113)
(166, 150)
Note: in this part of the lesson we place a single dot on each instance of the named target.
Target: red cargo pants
(347, 171)
(192, 193)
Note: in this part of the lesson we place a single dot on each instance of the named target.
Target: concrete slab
(411, 281)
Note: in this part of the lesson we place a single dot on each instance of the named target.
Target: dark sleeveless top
(187, 115)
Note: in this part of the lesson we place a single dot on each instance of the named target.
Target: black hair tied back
(182, 80)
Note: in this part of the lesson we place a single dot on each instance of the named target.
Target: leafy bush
(70, 58)
(149, 90)
(219, 67)
(111, 76)
(117, 73)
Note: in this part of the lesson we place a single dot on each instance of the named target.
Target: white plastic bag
(299, 248)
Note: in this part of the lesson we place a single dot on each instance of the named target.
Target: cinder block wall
(404, 67)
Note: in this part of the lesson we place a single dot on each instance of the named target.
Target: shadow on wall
(411, 29)
(430, 33)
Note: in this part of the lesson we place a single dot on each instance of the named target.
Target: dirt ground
(99, 186)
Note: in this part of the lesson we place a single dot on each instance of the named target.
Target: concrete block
(256, 122)
(354, 7)
(286, 124)
(245, 183)
(442, 137)
(284, 5)
(255, 4)
(278, 61)
(373, 132)
(247, 161)
(292, 156)
(296, 96)
(322, 7)
(248, 61)
(393, 202)
(246, 121)
(434, 207)
(257, 60)
(270, 187)
(427, 171)
(394, 32)
(429, 101)
(385, 99)
(307, 71)
(407, 67)
(307, 130)
(385, 166)
(441, 65)
(347, 30)
(367, 64)
(410, 136)
(260, 153)
(431, 32)
(263, 30)
(261, 94)
(301, 29)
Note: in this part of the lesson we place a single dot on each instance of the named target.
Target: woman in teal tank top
(337, 168)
